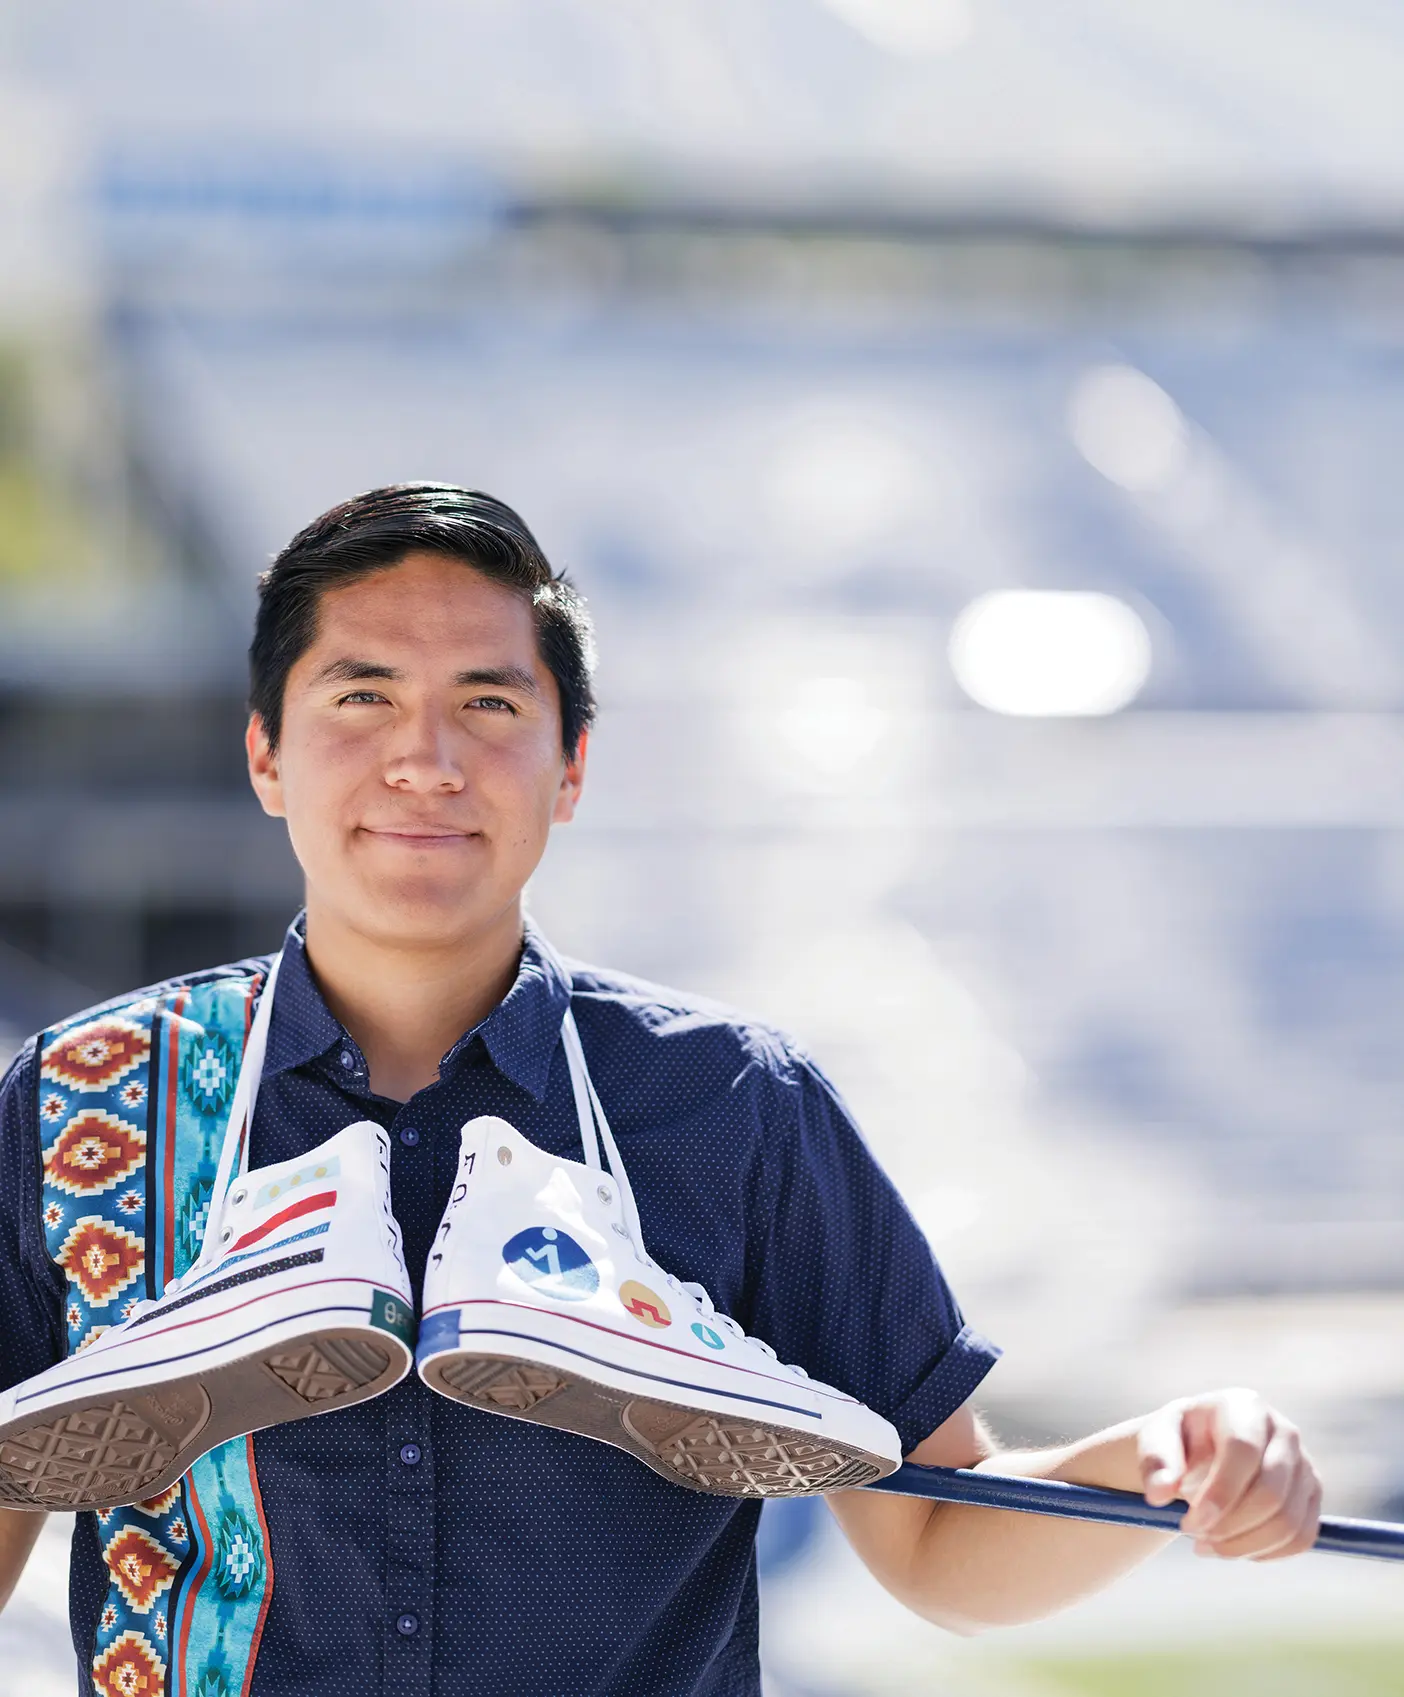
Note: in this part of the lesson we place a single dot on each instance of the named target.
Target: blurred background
(976, 425)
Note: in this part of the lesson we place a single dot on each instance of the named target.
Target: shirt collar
(520, 1034)
(303, 1026)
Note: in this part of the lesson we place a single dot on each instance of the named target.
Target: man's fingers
(1252, 1490)
(1308, 1525)
(1242, 1431)
(1162, 1453)
(1277, 1480)
(1290, 1528)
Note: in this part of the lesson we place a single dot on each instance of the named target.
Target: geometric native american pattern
(141, 1566)
(100, 1258)
(93, 1056)
(129, 1667)
(132, 1108)
(94, 1151)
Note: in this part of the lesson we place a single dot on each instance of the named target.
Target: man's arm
(1251, 1487)
(31, 1335)
(19, 1529)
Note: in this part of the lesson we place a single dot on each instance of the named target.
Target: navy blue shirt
(424, 1548)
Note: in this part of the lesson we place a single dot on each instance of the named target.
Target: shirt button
(348, 1060)
(410, 1454)
(407, 1625)
(409, 1136)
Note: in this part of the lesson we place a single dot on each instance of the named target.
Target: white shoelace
(713, 1317)
(604, 1154)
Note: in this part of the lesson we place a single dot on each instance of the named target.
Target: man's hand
(1252, 1492)
(1251, 1487)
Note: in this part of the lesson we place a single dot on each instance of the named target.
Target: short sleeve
(847, 1285)
(31, 1296)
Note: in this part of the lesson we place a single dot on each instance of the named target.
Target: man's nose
(426, 757)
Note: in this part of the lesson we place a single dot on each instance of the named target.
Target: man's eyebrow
(355, 671)
(499, 677)
(348, 671)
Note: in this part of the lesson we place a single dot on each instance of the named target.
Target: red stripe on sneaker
(308, 1205)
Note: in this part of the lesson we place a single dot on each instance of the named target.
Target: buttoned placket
(409, 1461)
(421, 1150)
(409, 1489)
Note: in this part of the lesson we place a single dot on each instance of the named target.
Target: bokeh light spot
(1047, 654)
(1126, 427)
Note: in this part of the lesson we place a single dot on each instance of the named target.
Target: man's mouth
(420, 836)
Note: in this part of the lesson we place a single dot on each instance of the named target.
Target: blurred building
(797, 331)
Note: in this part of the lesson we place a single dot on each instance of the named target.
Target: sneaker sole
(726, 1455)
(101, 1451)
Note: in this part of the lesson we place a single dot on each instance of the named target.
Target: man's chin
(421, 914)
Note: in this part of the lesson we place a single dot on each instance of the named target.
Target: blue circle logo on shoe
(705, 1334)
(551, 1261)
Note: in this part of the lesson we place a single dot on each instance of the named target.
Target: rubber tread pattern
(720, 1454)
(739, 1458)
(501, 1384)
(108, 1450)
(328, 1367)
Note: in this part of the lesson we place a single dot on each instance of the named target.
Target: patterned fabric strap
(133, 1105)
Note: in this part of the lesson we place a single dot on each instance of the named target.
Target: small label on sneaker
(438, 1331)
(305, 1178)
(393, 1314)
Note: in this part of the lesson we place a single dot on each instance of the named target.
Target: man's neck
(406, 1007)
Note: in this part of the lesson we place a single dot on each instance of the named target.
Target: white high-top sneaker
(298, 1303)
(540, 1302)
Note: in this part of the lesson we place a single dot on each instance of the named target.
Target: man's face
(419, 766)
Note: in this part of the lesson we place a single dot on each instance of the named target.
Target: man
(421, 703)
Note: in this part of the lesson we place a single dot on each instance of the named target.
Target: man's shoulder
(169, 994)
(681, 1023)
(133, 1008)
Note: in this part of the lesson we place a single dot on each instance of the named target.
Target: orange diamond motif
(163, 1504)
(96, 1055)
(93, 1152)
(101, 1258)
(140, 1566)
(129, 1667)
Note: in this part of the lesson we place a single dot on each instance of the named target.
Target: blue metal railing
(1377, 1538)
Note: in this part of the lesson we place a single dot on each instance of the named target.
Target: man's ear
(263, 768)
(572, 782)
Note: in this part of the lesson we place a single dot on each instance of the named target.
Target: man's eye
(358, 696)
(493, 703)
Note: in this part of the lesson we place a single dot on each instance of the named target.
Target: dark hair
(373, 531)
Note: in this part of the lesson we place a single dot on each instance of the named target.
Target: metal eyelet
(226, 1234)
(504, 1154)
(604, 1195)
(622, 1230)
(237, 1198)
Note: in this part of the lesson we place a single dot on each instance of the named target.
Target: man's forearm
(969, 1568)
(1019, 1567)
(18, 1530)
